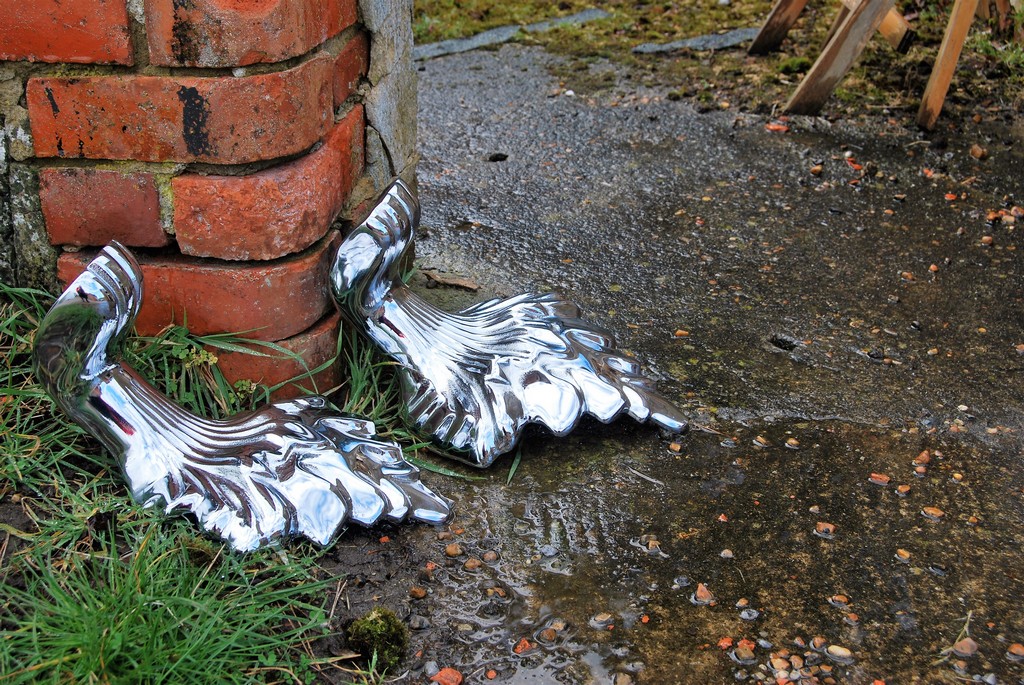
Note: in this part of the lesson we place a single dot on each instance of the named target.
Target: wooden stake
(838, 56)
(841, 15)
(894, 28)
(945, 63)
(776, 25)
(783, 15)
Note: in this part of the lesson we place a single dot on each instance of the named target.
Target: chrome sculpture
(291, 468)
(473, 380)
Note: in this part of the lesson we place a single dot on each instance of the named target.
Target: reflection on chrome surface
(290, 468)
(474, 379)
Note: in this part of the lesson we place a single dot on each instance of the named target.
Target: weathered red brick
(68, 31)
(266, 300)
(95, 206)
(315, 346)
(350, 65)
(227, 33)
(273, 212)
(219, 119)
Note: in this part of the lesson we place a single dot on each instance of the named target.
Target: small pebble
(761, 441)
(958, 477)
(749, 614)
(447, 676)
(675, 447)
(841, 601)
(879, 479)
(903, 555)
(726, 554)
(825, 530)
(742, 603)
(472, 564)
(934, 513)
(444, 535)
(417, 622)
(490, 556)
(703, 596)
(792, 443)
(743, 655)
(839, 654)
(965, 647)
(923, 458)
(453, 550)
(523, 645)
(1015, 652)
(902, 490)
(417, 592)
(817, 169)
(818, 642)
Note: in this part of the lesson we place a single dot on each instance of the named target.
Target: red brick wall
(221, 138)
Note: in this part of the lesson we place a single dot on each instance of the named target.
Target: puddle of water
(577, 580)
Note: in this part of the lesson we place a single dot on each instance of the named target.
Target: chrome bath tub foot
(473, 380)
(288, 469)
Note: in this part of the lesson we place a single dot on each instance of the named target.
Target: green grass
(152, 603)
(94, 588)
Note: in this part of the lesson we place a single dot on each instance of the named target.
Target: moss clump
(380, 632)
(795, 65)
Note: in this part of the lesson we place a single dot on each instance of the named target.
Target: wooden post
(776, 25)
(838, 56)
(780, 20)
(945, 63)
(894, 28)
(841, 15)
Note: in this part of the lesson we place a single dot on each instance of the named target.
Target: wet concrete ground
(833, 342)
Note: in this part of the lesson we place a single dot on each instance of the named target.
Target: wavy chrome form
(474, 379)
(291, 468)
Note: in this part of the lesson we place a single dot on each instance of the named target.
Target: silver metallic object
(473, 380)
(291, 468)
